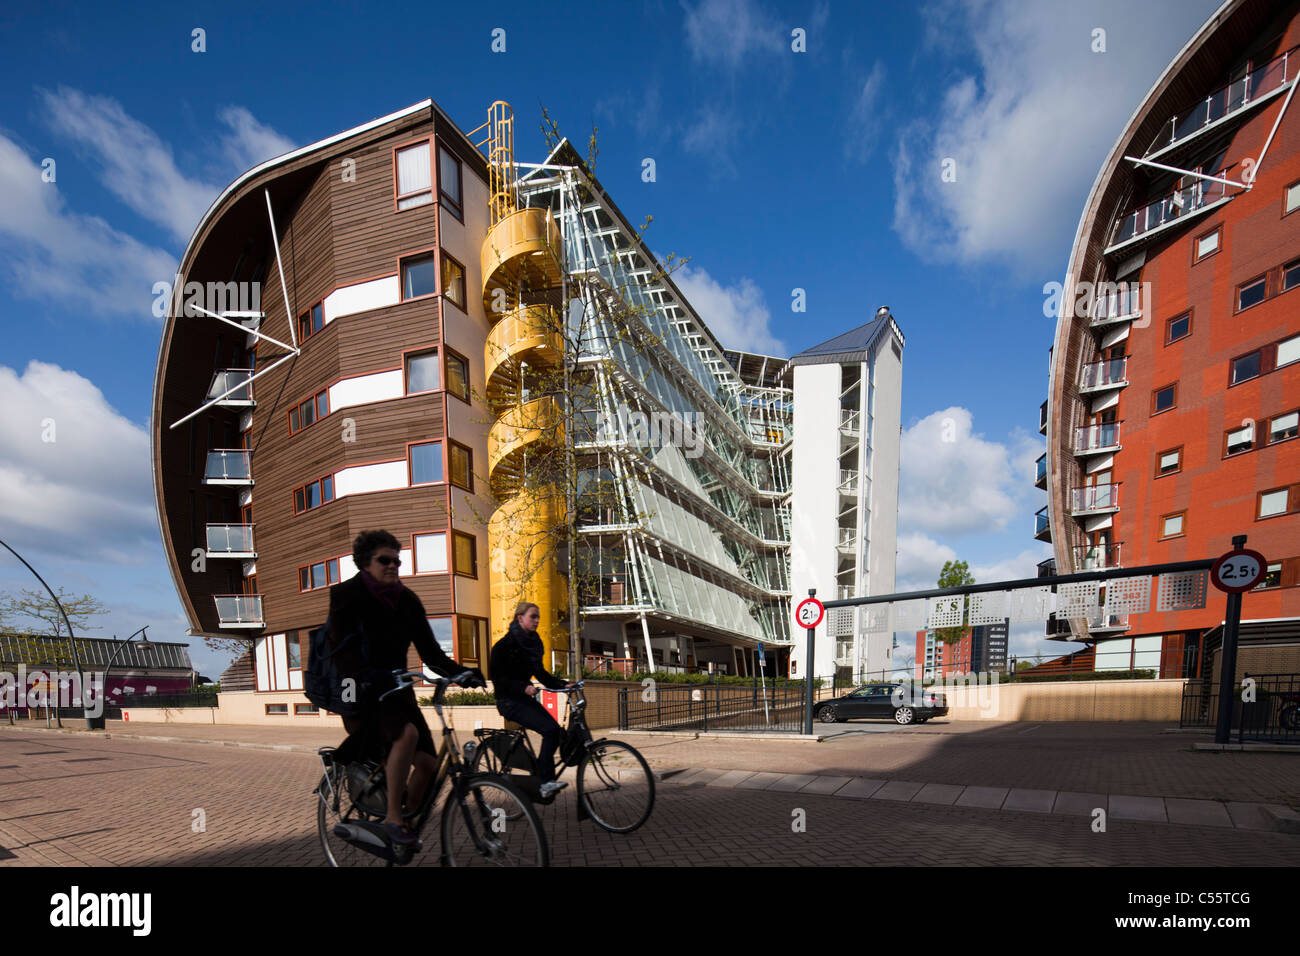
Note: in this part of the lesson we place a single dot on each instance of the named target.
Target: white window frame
(431, 546)
(1264, 512)
(419, 194)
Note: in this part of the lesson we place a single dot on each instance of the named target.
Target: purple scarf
(388, 593)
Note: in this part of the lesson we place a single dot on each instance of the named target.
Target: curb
(1250, 748)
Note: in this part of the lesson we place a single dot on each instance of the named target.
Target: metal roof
(851, 346)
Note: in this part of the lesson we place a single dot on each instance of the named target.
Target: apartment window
(431, 553)
(1292, 199)
(293, 651)
(1290, 275)
(308, 411)
(419, 276)
(1171, 526)
(278, 710)
(319, 575)
(457, 376)
(443, 633)
(1163, 399)
(1207, 245)
(1273, 503)
(1283, 427)
(449, 180)
(464, 548)
(1288, 351)
(426, 462)
(460, 462)
(1169, 462)
(1252, 293)
(414, 177)
(1239, 440)
(1178, 328)
(311, 322)
(1245, 368)
(453, 280)
(471, 639)
(422, 372)
(305, 710)
(313, 494)
(1272, 577)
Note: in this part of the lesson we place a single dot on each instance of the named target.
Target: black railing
(135, 701)
(713, 707)
(1265, 710)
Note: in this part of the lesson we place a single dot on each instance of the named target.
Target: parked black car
(902, 702)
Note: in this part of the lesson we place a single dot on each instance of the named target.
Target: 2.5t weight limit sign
(1238, 571)
(809, 613)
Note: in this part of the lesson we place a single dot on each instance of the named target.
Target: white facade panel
(360, 479)
(280, 660)
(263, 669)
(379, 387)
(361, 297)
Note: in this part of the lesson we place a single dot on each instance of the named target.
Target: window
(472, 638)
(1163, 399)
(1291, 202)
(293, 650)
(464, 554)
(460, 461)
(443, 634)
(1272, 577)
(449, 180)
(1252, 293)
(1290, 276)
(422, 372)
(1207, 245)
(1242, 439)
(1283, 427)
(419, 276)
(309, 411)
(313, 494)
(1273, 503)
(319, 575)
(311, 322)
(426, 462)
(414, 177)
(457, 376)
(1245, 368)
(277, 709)
(305, 710)
(1169, 462)
(453, 280)
(1178, 328)
(431, 553)
(1171, 526)
(1288, 351)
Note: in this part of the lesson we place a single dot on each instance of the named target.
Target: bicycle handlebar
(406, 680)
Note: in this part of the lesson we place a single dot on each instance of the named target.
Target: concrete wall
(249, 709)
(1104, 700)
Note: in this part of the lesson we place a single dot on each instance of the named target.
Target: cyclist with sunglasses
(373, 620)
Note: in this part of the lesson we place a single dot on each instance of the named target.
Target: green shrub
(463, 698)
(1023, 677)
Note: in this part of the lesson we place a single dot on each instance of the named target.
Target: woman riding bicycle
(515, 660)
(388, 617)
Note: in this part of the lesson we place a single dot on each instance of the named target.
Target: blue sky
(775, 170)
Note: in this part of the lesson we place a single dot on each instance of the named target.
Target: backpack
(322, 684)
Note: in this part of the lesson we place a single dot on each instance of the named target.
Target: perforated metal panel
(875, 618)
(842, 621)
(1030, 604)
(1077, 600)
(988, 607)
(1182, 591)
(908, 616)
(945, 611)
(1129, 595)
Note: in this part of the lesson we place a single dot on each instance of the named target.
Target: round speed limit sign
(810, 612)
(1238, 571)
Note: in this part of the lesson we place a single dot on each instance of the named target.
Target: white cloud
(52, 254)
(1029, 131)
(953, 481)
(85, 495)
(726, 32)
(1023, 565)
(736, 314)
(250, 143)
(864, 120)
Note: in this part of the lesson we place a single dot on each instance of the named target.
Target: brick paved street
(77, 799)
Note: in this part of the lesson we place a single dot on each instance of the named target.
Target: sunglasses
(385, 560)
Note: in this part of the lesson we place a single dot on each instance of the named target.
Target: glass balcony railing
(228, 466)
(1042, 528)
(1094, 498)
(1097, 557)
(1094, 438)
(1040, 471)
(1223, 102)
(1047, 569)
(848, 537)
(1168, 209)
(239, 610)
(1042, 419)
(230, 540)
(232, 378)
(1122, 303)
(1107, 374)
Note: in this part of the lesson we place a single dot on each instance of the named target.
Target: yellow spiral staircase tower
(522, 275)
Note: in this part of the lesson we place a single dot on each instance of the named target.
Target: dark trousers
(529, 713)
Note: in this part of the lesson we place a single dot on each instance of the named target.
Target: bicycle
(615, 786)
(486, 820)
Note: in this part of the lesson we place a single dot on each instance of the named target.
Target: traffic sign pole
(1228, 654)
(808, 671)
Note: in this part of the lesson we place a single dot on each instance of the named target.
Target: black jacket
(388, 635)
(515, 660)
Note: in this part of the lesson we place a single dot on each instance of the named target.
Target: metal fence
(1273, 716)
(712, 707)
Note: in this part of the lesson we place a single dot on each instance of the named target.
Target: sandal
(400, 835)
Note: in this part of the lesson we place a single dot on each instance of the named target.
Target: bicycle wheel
(495, 825)
(332, 806)
(615, 785)
(487, 761)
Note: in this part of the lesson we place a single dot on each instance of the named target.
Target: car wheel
(904, 715)
(827, 715)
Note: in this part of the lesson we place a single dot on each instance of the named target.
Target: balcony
(1124, 304)
(1099, 621)
(239, 610)
(228, 466)
(1057, 627)
(850, 421)
(1040, 472)
(843, 591)
(232, 378)
(1096, 439)
(1042, 529)
(1096, 557)
(1042, 419)
(1103, 375)
(1166, 211)
(230, 541)
(848, 482)
(1047, 569)
(1094, 499)
(848, 539)
(1251, 89)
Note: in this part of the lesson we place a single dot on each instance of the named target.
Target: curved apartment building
(1175, 373)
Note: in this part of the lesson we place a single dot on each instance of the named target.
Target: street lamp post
(145, 645)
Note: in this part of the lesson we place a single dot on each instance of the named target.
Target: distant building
(981, 650)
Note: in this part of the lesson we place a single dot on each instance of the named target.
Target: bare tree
(37, 612)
